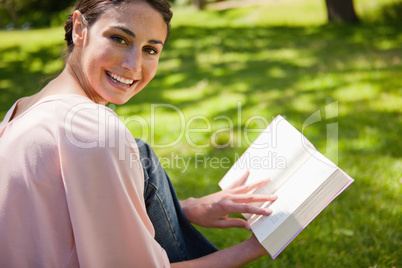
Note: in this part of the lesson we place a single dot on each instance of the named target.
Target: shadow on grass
(282, 66)
(278, 68)
(293, 71)
(22, 73)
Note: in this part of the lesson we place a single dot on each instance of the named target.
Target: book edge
(312, 218)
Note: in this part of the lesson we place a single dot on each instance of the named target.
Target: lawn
(225, 74)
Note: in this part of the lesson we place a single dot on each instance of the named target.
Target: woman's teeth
(121, 80)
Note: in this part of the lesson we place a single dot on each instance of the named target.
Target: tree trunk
(341, 11)
(200, 4)
(10, 7)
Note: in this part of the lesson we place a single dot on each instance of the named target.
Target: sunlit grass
(224, 75)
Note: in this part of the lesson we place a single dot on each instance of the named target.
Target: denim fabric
(173, 232)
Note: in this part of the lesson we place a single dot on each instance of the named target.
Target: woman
(76, 188)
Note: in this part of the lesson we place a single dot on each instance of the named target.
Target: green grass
(249, 65)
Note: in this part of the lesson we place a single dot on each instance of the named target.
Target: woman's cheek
(151, 72)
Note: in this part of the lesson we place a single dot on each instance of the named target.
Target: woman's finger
(249, 209)
(250, 187)
(252, 198)
(233, 223)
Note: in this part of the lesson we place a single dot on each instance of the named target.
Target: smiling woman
(95, 196)
(123, 54)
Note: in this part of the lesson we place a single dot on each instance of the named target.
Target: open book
(304, 180)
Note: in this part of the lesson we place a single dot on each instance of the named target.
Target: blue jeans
(173, 232)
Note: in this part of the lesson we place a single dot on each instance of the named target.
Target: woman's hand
(212, 210)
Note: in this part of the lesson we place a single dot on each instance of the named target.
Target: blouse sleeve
(104, 184)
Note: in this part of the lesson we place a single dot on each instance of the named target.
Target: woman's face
(120, 52)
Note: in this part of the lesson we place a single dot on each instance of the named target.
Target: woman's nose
(133, 61)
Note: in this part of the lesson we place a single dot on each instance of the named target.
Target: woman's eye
(150, 50)
(118, 39)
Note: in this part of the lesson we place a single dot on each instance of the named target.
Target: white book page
(293, 193)
(277, 152)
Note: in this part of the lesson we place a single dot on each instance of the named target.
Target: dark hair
(93, 9)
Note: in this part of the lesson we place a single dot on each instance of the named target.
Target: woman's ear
(79, 29)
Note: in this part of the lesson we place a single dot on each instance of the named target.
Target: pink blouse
(71, 189)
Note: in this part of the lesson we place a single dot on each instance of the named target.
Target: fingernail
(274, 196)
(268, 210)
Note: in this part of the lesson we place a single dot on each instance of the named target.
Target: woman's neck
(75, 75)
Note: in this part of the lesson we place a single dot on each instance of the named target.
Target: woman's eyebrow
(156, 42)
(130, 33)
(127, 31)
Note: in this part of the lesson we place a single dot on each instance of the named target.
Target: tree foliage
(34, 12)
